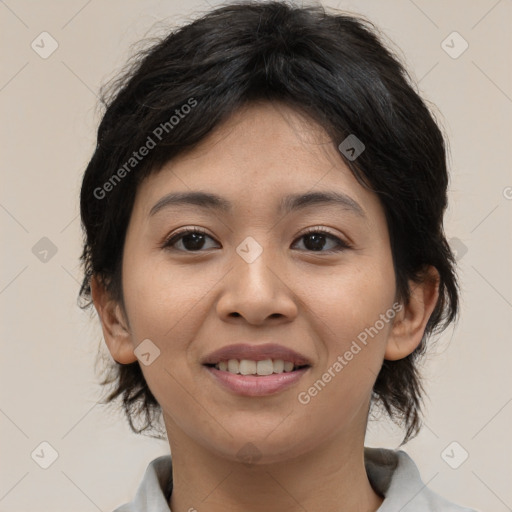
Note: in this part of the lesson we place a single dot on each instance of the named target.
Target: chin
(259, 450)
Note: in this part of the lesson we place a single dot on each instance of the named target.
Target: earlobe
(409, 325)
(115, 327)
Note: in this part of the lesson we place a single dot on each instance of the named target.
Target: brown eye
(191, 240)
(317, 239)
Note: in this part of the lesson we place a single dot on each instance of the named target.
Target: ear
(115, 327)
(409, 324)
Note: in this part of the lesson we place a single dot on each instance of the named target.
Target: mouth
(256, 370)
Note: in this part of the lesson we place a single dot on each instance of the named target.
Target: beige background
(49, 116)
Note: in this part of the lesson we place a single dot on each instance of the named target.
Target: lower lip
(252, 385)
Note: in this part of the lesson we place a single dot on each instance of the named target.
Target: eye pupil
(317, 245)
(197, 241)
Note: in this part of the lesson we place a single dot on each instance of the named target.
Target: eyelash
(342, 245)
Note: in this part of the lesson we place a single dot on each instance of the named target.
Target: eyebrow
(290, 203)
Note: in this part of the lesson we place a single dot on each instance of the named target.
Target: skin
(309, 456)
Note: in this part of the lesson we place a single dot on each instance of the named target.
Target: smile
(251, 367)
(256, 378)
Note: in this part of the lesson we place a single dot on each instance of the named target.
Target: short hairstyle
(331, 67)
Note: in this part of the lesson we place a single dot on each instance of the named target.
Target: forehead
(262, 153)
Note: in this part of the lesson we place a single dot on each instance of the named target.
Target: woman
(265, 249)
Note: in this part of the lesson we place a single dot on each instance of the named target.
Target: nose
(257, 291)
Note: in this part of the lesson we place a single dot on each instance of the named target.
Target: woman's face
(256, 277)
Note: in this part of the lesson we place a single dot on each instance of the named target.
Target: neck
(315, 481)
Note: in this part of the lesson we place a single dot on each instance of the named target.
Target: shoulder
(395, 475)
(156, 484)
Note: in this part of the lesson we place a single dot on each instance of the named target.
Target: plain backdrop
(49, 387)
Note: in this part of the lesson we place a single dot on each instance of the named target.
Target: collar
(392, 473)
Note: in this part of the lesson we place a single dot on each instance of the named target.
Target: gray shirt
(392, 473)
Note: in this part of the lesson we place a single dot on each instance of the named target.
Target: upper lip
(256, 353)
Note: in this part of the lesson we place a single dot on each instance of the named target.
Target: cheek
(352, 311)
(351, 298)
(162, 300)
(167, 306)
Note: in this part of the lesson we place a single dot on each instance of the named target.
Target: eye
(315, 241)
(191, 240)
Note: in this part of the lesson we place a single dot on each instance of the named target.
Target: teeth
(265, 367)
(249, 367)
(279, 366)
(233, 366)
